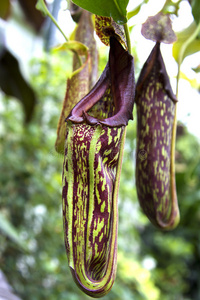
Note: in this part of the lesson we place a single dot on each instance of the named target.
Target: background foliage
(151, 264)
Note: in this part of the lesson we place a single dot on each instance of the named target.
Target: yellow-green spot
(109, 136)
(103, 206)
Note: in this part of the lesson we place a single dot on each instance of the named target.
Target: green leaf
(112, 8)
(9, 230)
(187, 42)
(193, 81)
(134, 12)
(196, 10)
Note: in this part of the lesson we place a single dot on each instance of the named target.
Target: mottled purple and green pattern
(93, 156)
(155, 178)
(91, 179)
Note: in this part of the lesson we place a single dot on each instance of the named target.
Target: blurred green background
(152, 264)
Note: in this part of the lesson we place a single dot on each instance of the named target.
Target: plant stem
(47, 12)
(42, 7)
(128, 41)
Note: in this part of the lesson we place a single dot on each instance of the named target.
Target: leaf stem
(47, 12)
(128, 41)
(42, 7)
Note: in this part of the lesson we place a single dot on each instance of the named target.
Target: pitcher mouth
(118, 76)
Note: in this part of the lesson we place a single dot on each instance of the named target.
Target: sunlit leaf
(193, 81)
(134, 12)
(182, 37)
(112, 8)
